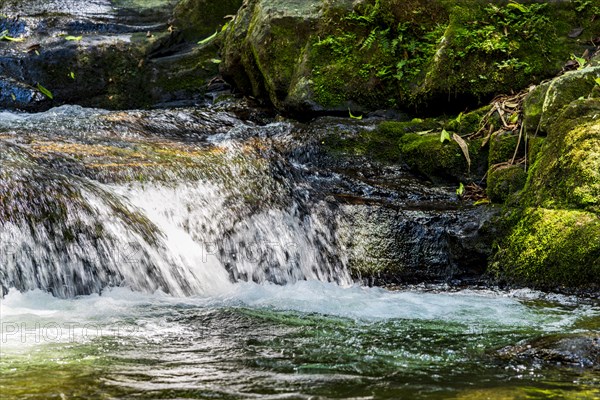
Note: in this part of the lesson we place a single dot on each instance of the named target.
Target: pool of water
(302, 340)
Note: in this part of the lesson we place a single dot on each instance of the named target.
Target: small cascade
(91, 200)
(186, 201)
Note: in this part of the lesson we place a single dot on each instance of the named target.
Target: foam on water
(120, 311)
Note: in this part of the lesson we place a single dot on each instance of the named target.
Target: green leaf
(461, 190)
(4, 36)
(482, 201)
(580, 60)
(12, 96)
(459, 118)
(215, 61)
(208, 39)
(518, 6)
(73, 38)
(444, 136)
(72, 75)
(45, 91)
(354, 116)
(597, 80)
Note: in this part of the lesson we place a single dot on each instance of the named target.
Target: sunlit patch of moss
(550, 248)
(544, 105)
(567, 171)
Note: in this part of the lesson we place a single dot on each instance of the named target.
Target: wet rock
(105, 54)
(19, 94)
(394, 227)
(198, 19)
(387, 244)
(566, 350)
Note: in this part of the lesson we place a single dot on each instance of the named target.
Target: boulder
(545, 103)
(199, 19)
(554, 241)
(121, 55)
(577, 350)
(331, 56)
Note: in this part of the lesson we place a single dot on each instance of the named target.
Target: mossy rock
(534, 147)
(502, 148)
(372, 54)
(489, 47)
(504, 181)
(550, 249)
(469, 122)
(426, 155)
(198, 19)
(544, 104)
(264, 46)
(566, 172)
(379, 144)
(555, 241)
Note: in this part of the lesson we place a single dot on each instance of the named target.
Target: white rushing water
(34, 318)
(185, 236)
(191, 232)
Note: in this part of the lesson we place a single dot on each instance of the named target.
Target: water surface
(303, 340)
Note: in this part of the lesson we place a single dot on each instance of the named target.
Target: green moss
(552, 248)
(556, 241)
(198, 19)
(567, 172)
(534, 147)
(490, 47)
(277, 63)
(533, 107)
(505, 181)
(427, 156)
(373, 144)
(502, 148)
(544, 105)
(469, 122)
(380, 144)
(375, 54)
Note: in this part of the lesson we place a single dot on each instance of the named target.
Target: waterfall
(90, 200)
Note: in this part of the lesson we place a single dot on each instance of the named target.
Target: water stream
(303, 340)
(199, 253)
